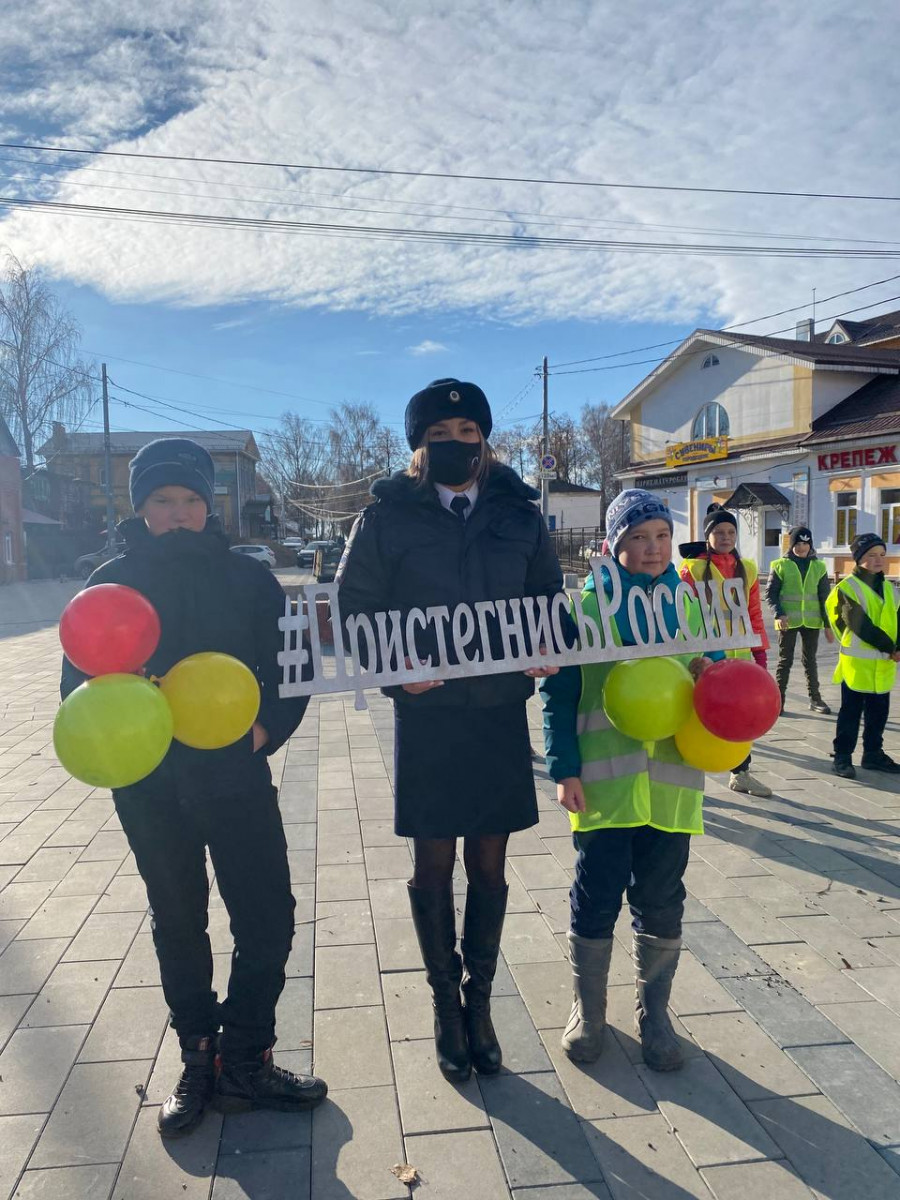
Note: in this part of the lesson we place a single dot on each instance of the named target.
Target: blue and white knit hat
(633, 507)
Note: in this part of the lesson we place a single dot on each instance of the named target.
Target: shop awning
(758, 495)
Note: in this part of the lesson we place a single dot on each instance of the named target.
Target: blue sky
(757, 95)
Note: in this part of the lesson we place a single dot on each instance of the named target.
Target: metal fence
(575, 546)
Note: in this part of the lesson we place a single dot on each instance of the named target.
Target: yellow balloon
(214, 700)
(701, 749)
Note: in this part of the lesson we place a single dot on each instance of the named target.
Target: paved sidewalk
(788, 997)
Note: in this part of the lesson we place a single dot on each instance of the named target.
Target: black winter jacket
(406, 551)
(207, 599)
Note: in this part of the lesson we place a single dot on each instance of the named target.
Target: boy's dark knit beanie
(171, 461)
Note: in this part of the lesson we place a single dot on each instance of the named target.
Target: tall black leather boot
(435, 920)
(184, 1109)
(482, 926)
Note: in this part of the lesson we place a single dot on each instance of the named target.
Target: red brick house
(12, 538)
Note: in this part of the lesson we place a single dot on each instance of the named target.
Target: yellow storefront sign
(680, 454)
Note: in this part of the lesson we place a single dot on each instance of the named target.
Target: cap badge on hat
(455, 397)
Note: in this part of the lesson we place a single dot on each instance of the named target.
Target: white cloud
(734, 95)
(427, 347)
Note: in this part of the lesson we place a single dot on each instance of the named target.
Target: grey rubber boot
(655, 961)
(590, 958)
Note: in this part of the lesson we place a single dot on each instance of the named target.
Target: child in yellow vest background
(632, 806)
(796, 593)
(862, 610)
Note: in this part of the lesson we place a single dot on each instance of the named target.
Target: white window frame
(850, 522)
(889, 517)
(711, 360)
(702, 416)
(836, 339)
(8, 555)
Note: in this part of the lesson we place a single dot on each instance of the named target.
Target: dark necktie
(459, 506)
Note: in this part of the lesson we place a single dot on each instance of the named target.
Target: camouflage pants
(787, 642)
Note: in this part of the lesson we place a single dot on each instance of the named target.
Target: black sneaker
(879, 761)
(819, 706)
(844, 767)
(258, 1083)
(184, 1109)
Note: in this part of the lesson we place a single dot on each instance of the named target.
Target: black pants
(644, 863)
(809, 644)
(874, 707)
(169, 836)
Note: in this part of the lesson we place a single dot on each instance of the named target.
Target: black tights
(484, 858)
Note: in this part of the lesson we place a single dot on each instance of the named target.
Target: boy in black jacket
(210, 599)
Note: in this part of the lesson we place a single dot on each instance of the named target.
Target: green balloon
(113, 730)
(649, 698)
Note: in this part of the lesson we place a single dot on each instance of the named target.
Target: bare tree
(603, 442)
(42, 378)
(296, 459)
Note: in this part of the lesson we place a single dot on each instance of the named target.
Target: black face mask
(452, 462)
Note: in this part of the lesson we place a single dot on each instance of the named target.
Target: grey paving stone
(8, 930)
(754, 1066)
(527, 939)
(104, 935)
(859, 915)
(22, 900)
(609, 1087)
(407, 1002)
(378, 833)
(388, 862)
(24, 966)
(389, 898)
(785, 1016)
(68, 1183)
(874, 1028)
(105, 846)
(540, 1138)
(722, 952)
(11, 1011)
(713, 1125)
(346, 977)
(642, 1159)
(17, 1136)
(522, 1048)
(453, 1165)
(704, 881)
(92, 1119)
(562, 850)
(48, 865)
(140, 967)
(124, 893)
(351, 1048)
(540, 871)
(302, 865)
(297, 807)
(525, 841)
(750, 922)
(836, 943)
(730, 861)
(129, 1025)
(881, 982)
(867, 1096)
(182, 1167)
(293, 1015)
(300, 836)
(58, 917)
(553, 905)
(398, 948)
(694, 989)
(749, 1181)
(270, 1175)
(778, 898)
(72, 995)
(86, 878)
(811, 974)
(336, 798)
(248, 1133)
(564, 1191)
(428, 1103)
(341, 883)
(546, 988)
(343, 923)
(34, 1066)
(300, 959)
(356, 1140)
(829, 1156)
(338, 849)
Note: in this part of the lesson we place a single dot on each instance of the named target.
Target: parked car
(306, 556)
(293, 543)
(260, 552)
(87, 564)
(326, 562)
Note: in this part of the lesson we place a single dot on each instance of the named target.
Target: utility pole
(545, 445)
(107, 461)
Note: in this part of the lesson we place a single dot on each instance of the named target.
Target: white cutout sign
(372, 650)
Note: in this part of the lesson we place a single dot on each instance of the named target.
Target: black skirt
(461, 772)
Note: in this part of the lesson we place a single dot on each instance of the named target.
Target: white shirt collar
(447, 495)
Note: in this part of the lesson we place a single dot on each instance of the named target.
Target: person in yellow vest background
(862, 610)
(708, 563)
(796, 593)
(633, 806)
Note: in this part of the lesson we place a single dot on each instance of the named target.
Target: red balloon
(108, 629)
(737, 700)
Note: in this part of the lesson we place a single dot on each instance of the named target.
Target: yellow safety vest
(800, 593)
(697, 568)
(861, 666)
(629, 783)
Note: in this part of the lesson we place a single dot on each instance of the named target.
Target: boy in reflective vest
(797, 591)
(707, 564)
(633, 806)
(862, 610)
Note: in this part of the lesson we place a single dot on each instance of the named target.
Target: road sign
(548, 462)
(547, 474)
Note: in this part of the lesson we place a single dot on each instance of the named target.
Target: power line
(441, 236)
(590, 183)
